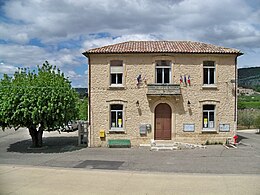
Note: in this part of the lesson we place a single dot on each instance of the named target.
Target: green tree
(246, 118)
(83, 108)
(39, 101)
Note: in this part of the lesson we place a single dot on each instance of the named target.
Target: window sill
(116, 130)
(116, 87)
(213, 86)
(209, 131)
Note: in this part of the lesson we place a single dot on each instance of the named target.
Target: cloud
(93, 42)
(79, 80)
(30, 55)
(14, 33)
(73, 75)
(58, 20)
(33, 31)
(7, 69)
(23, 55)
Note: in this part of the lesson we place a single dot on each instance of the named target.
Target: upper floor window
(116, 116)
(208, 116)
(116, 72)
(208, 72)
(163, 71)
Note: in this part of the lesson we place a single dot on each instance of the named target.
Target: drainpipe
(236, 83)
(89, 99)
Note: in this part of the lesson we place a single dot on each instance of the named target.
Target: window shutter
(116, 69)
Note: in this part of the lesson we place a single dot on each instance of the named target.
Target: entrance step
(157, 148)
(171, 145)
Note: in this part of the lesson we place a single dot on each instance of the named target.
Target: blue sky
(32, 31)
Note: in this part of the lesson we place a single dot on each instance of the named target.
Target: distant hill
(83, 92)
(249, 78)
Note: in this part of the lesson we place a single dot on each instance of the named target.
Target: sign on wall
(189, 127)
(224, 127)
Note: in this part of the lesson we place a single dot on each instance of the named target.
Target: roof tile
(162, 47)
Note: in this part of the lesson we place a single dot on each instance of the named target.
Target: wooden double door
(163, 118)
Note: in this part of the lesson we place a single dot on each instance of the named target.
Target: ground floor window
(208, 117)
(116, 116)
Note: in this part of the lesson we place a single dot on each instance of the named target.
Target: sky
(33, 31)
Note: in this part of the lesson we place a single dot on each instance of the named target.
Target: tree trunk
(39, 136)
(36, 136)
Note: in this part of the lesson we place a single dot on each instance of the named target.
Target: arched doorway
(163, 118)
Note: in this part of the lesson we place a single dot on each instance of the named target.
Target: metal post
(83, 134)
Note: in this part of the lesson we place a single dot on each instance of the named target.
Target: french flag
(189, 79)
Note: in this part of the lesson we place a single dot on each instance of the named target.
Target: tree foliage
(246, 118)
(31, 98)
(83, 108)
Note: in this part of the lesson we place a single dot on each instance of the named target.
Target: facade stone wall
(102, 95)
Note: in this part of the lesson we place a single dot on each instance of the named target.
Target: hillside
(249, 78)
(83, 92)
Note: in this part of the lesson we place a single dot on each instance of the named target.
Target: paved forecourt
(41, 180)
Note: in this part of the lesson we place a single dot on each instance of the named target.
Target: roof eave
(235, 53)
(240, 53)
(86, 54)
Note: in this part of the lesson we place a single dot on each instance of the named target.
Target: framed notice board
(224, 127)
(188, 127)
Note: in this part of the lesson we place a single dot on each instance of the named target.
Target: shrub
(246, 118)
(257, 122)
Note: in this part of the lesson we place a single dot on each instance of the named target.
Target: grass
(248, 105)
(248, 102)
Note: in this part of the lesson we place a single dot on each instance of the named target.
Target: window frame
(163, 67)
(116, 128)
(208, 69)
(116, 68)
(116, 77)
(208, 111)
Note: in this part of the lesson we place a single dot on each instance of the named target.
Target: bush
(257, 122)
(249, 118)
(246, 118)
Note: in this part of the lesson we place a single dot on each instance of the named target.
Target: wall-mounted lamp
(188, 103)
(137, 103)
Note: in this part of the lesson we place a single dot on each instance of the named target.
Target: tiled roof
(162, 47)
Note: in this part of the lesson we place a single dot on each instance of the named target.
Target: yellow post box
(102, 133)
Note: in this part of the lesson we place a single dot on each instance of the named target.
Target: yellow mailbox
(102, 133)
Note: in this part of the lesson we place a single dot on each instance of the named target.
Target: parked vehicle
(71, 126)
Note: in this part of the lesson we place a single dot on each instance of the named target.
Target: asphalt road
(61, 150)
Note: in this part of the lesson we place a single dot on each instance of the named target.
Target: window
(208, 72)
(116, 78)
(163, 71)
(116, 73)
(208, 117)
(116, 117)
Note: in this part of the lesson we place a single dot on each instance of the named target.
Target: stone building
(163, 90)
(245, 91)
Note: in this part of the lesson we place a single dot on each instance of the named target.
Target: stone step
(157, 148)
(171, 145)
